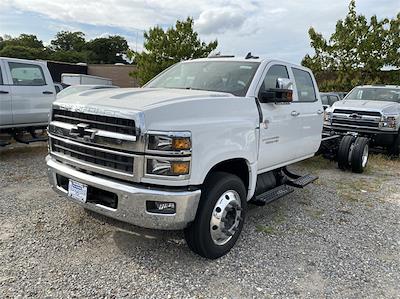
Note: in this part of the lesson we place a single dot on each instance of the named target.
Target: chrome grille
(356, 118)
(349, 112)
(97, 156)
(350, 122)
(101, 122)
(97, 143)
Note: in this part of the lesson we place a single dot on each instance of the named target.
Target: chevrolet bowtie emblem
(354, 115)
(83, 131)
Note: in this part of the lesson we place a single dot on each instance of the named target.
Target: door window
(274, 72)
(305, 85)
(1, 77)
(26, 74)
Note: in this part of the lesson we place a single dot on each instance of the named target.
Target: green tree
(68, 41)
(22, 52)
(70, 56)
(357, 50)
(164, 48)
(26, 40)
(24, 46)
(107, 49)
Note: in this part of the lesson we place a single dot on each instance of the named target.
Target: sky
(269, 28)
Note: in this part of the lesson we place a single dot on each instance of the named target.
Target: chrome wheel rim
(226, 217)
(365, 156)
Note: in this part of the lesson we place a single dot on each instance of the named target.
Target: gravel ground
(338, 238)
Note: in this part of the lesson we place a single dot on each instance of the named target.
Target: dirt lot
(338, 238)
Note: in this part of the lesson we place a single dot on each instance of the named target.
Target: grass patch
(279, 217)
(317, 163)
(265, 229)
(314, 213)
(382, 163)
(355, 190)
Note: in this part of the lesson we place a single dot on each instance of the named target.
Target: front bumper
(344, 129)
(131, 206)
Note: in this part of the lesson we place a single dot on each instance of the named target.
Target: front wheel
(220, 216)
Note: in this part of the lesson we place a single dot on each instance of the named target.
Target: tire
(394, 150)
(201, 236)
(359, 156)
(343, 152)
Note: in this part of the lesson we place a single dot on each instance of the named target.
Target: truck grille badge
(83, 131)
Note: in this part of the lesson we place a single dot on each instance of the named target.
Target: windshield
(374, 94)
(224, 76)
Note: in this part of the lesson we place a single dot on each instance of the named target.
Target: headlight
(327, 116)
(167, 167)
(389, 122)
(171, 141)
(168, 154)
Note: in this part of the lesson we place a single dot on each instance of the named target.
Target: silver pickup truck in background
(372, 111)
(26, 94)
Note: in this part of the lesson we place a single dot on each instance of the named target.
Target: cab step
(303, 181)
(272, 195)
(34, 138)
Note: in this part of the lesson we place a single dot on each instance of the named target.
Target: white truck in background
(372, 111)
(191, 148)
(26, 94)
(82, 79)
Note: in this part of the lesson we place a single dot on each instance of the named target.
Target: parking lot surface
(337, 238)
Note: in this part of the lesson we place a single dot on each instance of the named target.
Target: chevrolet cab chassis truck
(369, 112)
(191, 148)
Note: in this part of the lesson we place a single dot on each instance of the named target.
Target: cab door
(5, 99)
(308, 111)
(278, 130)
(32, 93)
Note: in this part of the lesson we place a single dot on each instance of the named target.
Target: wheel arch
(240, 167)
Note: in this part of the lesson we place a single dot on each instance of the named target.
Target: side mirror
(276, 95)
(282, 94)
(284, 83)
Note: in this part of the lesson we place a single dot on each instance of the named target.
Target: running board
(27, 141)
(272, 195)
(303, 181)
(33, 139)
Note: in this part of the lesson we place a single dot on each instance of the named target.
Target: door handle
(295, 113)
(320, 111)
(47, 92)
(3, 91)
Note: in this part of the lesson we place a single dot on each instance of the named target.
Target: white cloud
(275, 28)
(219, 20)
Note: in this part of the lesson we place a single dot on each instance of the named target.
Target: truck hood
(136, 98)
(365, 105)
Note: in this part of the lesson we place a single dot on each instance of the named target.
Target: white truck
(82, 79)
(372, 111)
(26, 94)
(191, 148)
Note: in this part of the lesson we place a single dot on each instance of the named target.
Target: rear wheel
(220, 216)
(344, 152)
(359, 156)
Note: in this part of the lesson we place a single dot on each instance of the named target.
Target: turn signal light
(181, 144)
(179, 168)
